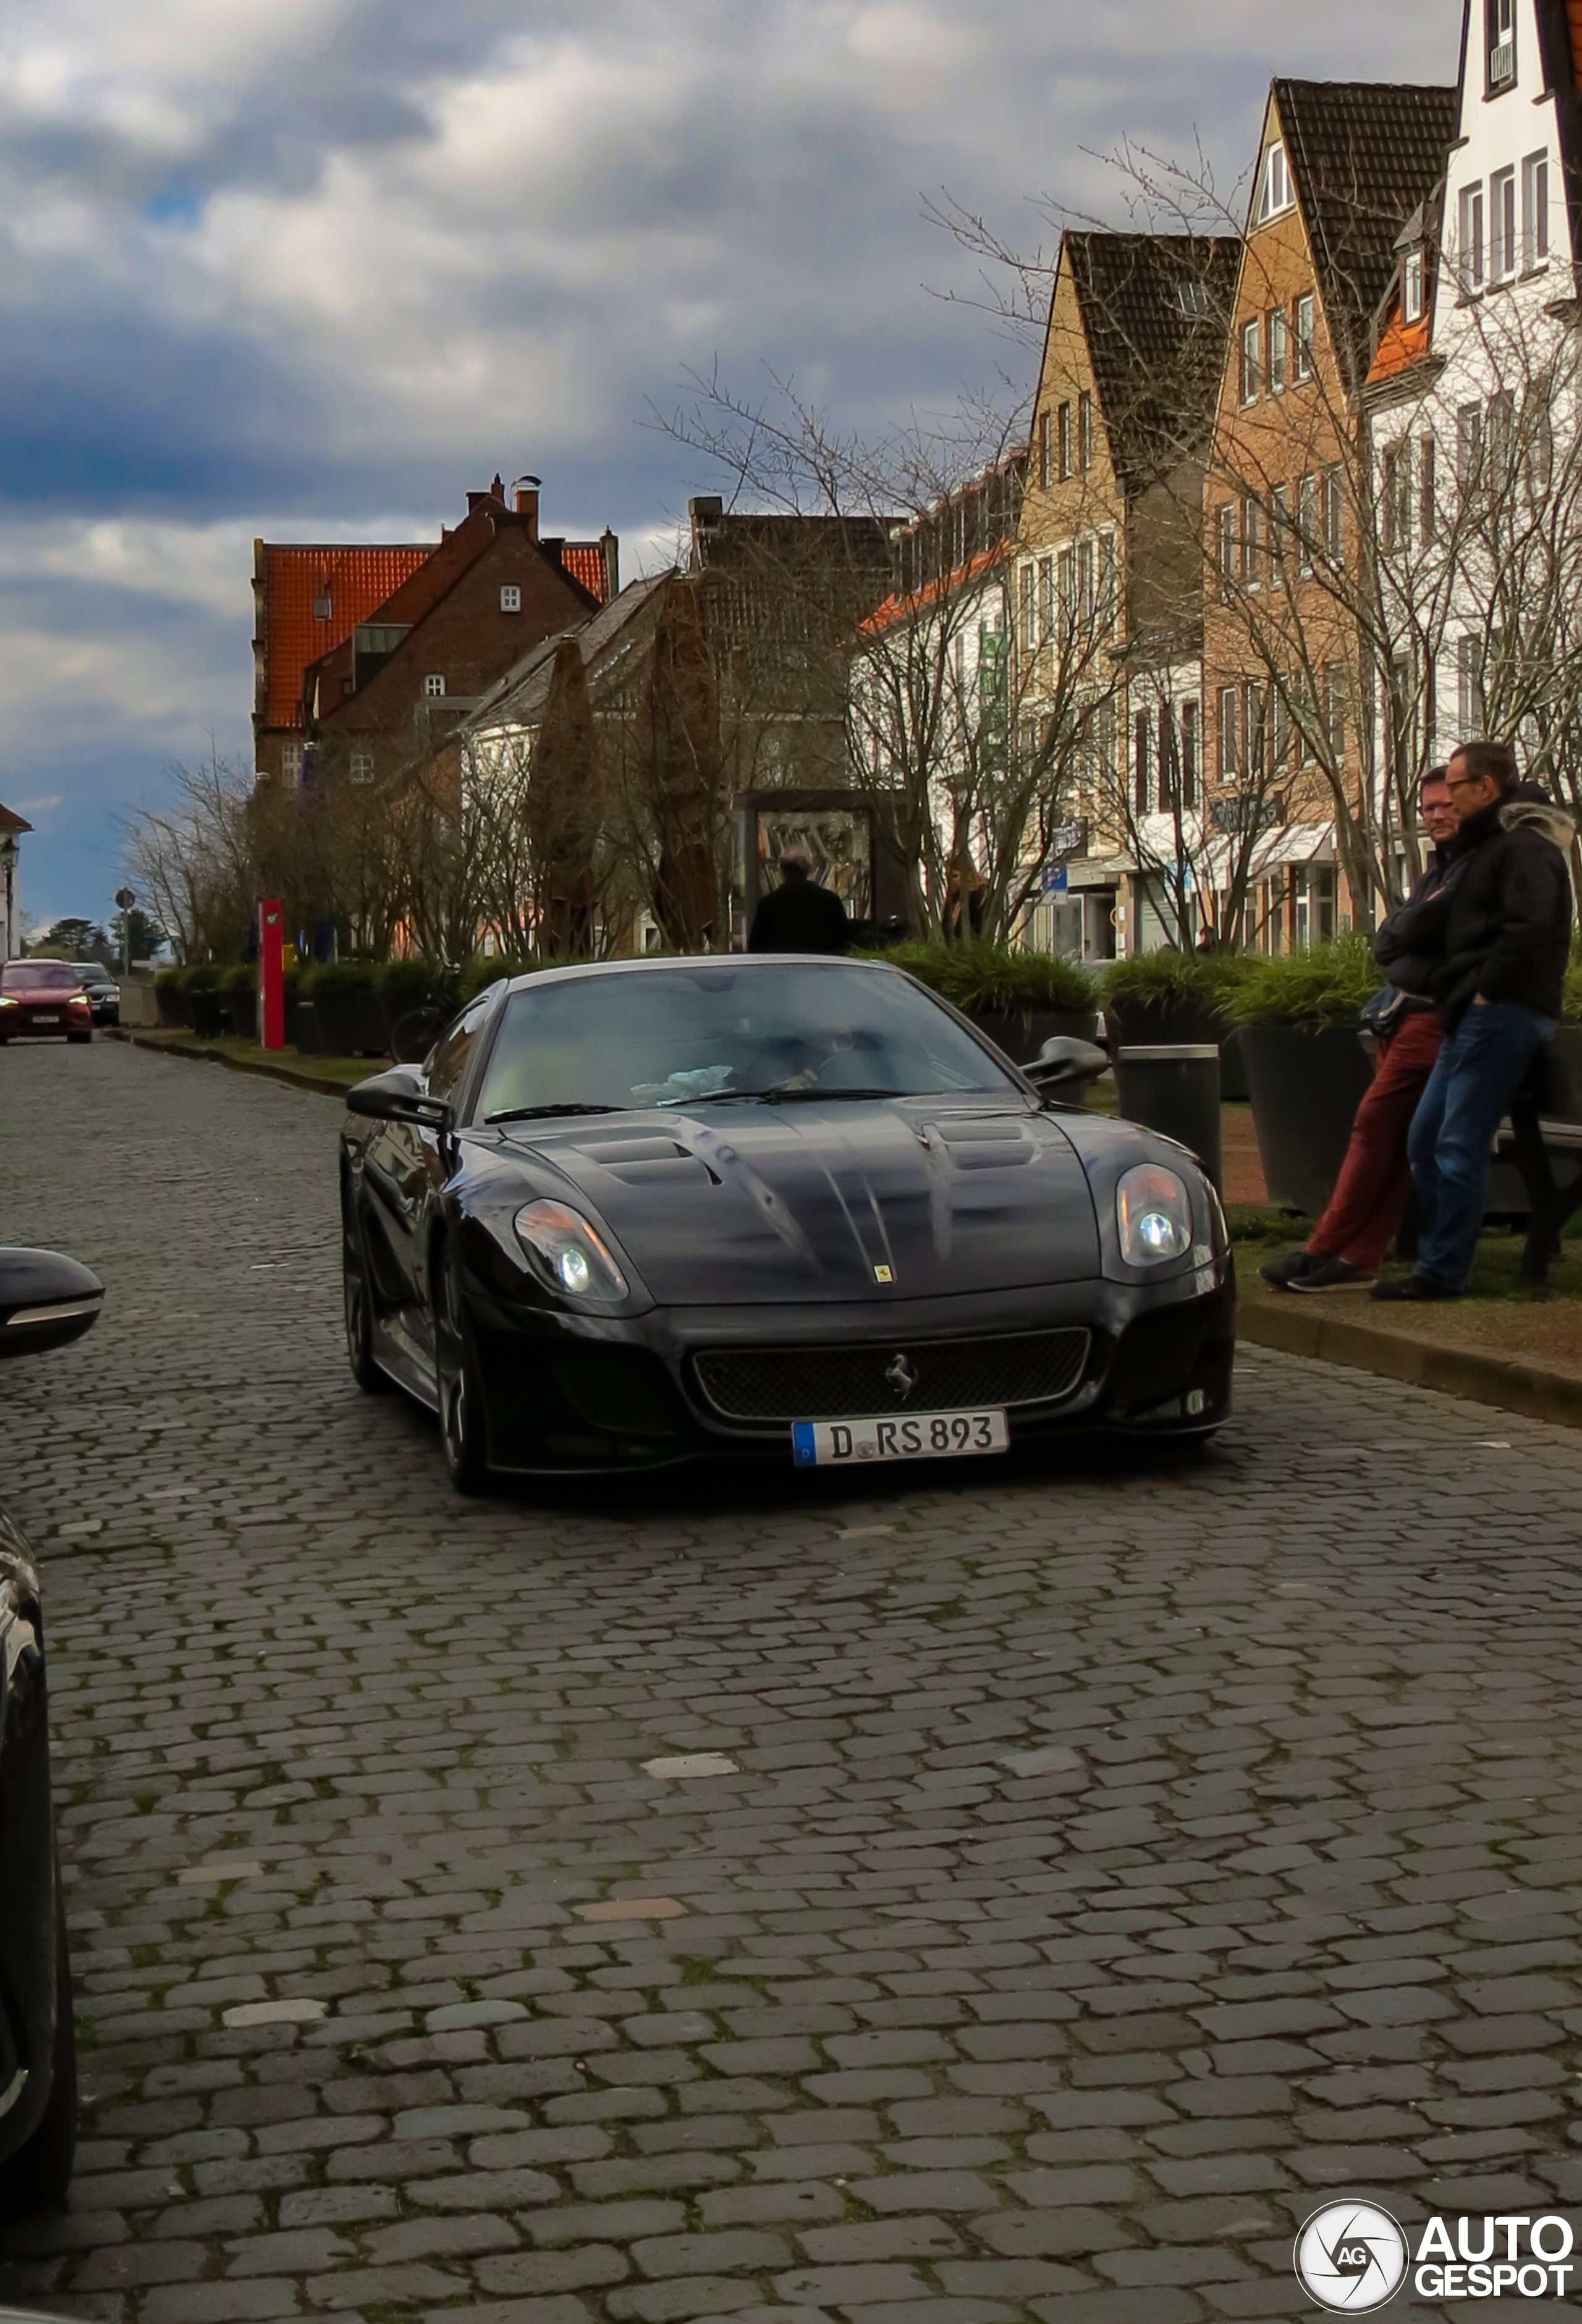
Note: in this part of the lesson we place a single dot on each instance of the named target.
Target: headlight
(567, 1253)
(1154, 1213)
(6, 1001)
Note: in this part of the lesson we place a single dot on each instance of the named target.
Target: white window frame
(509, 597)
(434, 686)
(1277, 195)
(1304, 312)
(1503, 225)
(1535, 212)
(1228, 735)
(1411, 287)
(1252, 342)
(1469, 239)
(1500, 30)
(1026, 589)
(362, 765)
(1279, 350)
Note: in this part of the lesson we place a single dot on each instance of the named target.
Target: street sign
(126, 898)
(1069, 838)
(1055, 880)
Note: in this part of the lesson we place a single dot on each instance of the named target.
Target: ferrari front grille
(844, 1383)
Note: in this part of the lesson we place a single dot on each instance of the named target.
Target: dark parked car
(45, 1301)
(104, 995)
(632, 1213)
(44, 999)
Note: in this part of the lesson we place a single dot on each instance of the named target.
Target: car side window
(448, 1061)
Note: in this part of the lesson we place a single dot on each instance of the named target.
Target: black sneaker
(1415, 1287)
(1283, 1272)
(1330, 1274)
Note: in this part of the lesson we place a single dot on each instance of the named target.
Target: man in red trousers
(1348, 1244)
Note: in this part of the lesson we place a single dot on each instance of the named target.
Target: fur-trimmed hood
(1533, 807)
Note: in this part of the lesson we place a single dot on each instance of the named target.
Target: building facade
(11, 827)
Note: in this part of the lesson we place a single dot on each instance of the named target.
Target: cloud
(321, 267)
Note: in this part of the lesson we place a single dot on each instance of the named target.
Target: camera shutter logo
(1352, 2257)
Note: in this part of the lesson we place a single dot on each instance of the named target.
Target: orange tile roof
(355, 580)
(585, 560)
(897, 608)
(1574, 11)
(1400, 346)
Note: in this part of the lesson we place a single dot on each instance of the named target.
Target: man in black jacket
(798, 916)
(1497, 989)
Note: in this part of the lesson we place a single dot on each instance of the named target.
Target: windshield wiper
(546, 1113)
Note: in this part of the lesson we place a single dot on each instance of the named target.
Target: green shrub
(326, 978)
(407, 984)
(203, 976)
(1571, 1000)
(170, 979)
(1168, 979)
(243, 978)
(1326, 986)
(484, 969)
(996, 980)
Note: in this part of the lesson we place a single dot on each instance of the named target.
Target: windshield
(92, 972)
(39, 977)
(685, 1036)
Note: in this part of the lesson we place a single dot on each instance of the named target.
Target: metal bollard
(1175, 1090)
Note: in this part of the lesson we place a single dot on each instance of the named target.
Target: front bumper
(27, 1921)
(569, 1395)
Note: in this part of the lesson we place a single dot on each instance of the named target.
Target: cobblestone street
(1089, 1866)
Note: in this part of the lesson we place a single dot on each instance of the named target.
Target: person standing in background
(800, 915)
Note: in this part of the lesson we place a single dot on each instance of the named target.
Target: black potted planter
(351, 1022)
(1023, 1035)
(1155, 1023)
(210, 1017)
(174, 1006)
(241, 1009)
(1306, 1084)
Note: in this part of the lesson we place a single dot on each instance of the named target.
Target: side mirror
(398, 1095)
(45, 1301)
(1065, 1061)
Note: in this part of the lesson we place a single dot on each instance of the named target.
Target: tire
(39, 2173)
(462, 1424)
(359, 1311)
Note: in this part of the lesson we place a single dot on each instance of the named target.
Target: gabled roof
(10, 821)
(1155, 310)
(418, 594)
(1363, 156)
(298, 576)
(518, 698)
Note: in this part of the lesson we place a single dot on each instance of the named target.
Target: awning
(1292, 843)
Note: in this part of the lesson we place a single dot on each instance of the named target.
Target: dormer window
(1411, 288)
(1192, 299)
(1277, 188)
(1500, 19)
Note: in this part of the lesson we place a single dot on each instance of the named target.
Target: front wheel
(359, 1316)
(462, 1431)
(40, 2173)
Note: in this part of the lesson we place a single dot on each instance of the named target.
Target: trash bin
(1175, 1090)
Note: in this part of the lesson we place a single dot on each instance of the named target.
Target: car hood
(754, 1204)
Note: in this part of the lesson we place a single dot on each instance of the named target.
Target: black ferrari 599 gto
(632, 1213)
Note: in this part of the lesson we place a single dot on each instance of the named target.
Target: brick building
(11, 827)
(308, 597)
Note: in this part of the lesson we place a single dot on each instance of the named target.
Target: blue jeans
(1480, 1068)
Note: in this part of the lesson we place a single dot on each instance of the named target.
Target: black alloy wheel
(359, 1308)
(456, 1381)
(39, 2173)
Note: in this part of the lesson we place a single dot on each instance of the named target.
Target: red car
(42, 999)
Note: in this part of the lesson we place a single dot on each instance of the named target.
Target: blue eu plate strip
(804, 1451)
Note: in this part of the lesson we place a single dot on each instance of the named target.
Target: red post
(272, 983)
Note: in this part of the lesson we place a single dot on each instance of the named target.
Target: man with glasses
(1347, 1245)
(1507, 940)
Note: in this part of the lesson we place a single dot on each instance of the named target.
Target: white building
(11, 827)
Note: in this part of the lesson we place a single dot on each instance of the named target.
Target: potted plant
(1019, 999)
(344, 997)
(1170, 999)
(239, 998)
(1307, 1067)
(202, 984)
(170, 993)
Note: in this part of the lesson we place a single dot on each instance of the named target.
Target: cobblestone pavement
(1103, 1862)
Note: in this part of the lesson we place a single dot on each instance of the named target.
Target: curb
(1503, 1381)
(316, 1083)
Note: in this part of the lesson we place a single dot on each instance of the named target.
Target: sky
(311, 269)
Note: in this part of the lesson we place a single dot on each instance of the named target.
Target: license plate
(916, 1437)
(46, 1020)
